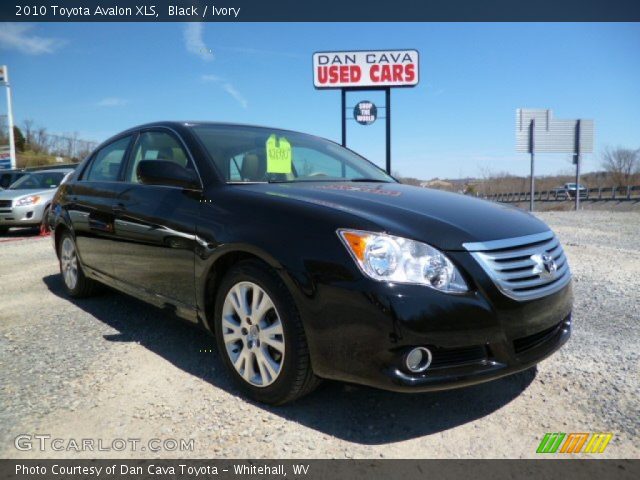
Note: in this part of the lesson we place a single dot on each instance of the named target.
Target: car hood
(13, 194)
(445, 220)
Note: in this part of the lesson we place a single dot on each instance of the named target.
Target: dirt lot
(111, 367)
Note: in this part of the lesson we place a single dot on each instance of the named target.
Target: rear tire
(76, 284)
(260, 335)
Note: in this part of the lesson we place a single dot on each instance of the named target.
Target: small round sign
(365, 112)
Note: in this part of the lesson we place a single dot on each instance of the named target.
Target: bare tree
(84, 149)
(41, 140)
(499, 182)
(621, 164)
(486, 187)
(28, 126)
(4, 130)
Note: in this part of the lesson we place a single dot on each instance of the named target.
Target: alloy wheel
(69, 263)
(253, 334)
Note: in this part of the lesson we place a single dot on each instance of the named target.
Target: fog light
(418, 359)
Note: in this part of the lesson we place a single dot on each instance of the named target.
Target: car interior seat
(254, 167)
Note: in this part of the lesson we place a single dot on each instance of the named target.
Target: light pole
(4, 77)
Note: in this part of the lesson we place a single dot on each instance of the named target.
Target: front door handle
(118, 208)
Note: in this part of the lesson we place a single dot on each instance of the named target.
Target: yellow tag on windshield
(279, 157)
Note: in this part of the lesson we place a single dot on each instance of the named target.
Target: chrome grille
(520, 267)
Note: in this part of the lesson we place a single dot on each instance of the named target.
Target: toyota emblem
(544, 265)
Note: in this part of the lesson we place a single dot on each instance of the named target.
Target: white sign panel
(551, 135)
(366, 69)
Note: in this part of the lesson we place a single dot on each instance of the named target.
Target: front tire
(260, 335)
(76, 284)
(44, 223)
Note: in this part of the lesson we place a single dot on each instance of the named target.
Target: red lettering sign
(378, 68)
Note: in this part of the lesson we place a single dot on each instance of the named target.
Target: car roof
(191, 123)
(51, 170)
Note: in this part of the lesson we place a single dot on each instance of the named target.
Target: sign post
(537, 131)
(343, 95)
(532, 148)
(11, 164)
(387, 98)
(366, 70)
(577, 160)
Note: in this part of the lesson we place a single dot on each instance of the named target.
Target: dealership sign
(366, 69)
(5, 157)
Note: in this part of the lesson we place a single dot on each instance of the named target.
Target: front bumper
(21, 216)
(360, 331)
(472, 365)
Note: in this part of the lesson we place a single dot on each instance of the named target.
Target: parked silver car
(568, 191)
(571, 189)
(26, 202)
(7, 177)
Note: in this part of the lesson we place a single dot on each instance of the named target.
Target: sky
(100, 78)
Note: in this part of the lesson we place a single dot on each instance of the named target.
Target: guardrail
(619, 194)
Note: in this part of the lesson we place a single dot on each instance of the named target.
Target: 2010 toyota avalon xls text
(309, 262)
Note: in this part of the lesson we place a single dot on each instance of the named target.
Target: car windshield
(254, 154)
(41, 180)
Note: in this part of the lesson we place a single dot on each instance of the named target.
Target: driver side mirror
(162, 172)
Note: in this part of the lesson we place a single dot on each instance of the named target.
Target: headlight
(30, 200)
(395, 259)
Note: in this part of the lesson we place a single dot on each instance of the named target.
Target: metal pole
(387, 95)
(532, 147)
(577, 165)
(342, 116)
(12, 144)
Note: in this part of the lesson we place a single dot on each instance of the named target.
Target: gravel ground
(112, 367)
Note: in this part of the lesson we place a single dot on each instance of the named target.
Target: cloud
(263, 53)
(112, 102)
(231, 90)
(17, 36)
(194, 42)
(227, 87)
(211, 78)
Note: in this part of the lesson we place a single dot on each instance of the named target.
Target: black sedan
(307, 261)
